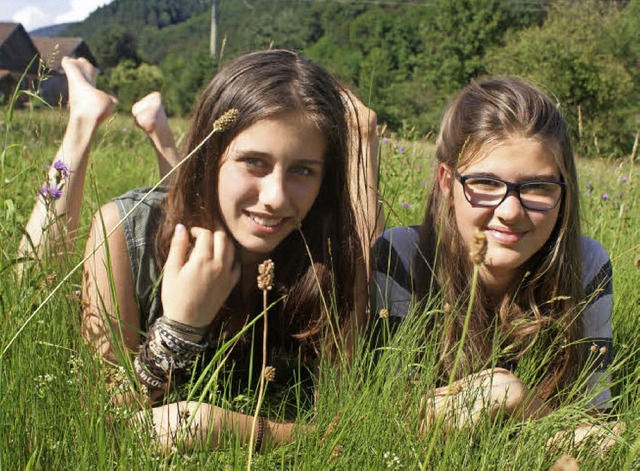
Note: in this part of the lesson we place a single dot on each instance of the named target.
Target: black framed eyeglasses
(490, 192)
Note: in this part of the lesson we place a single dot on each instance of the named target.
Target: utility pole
(213, 40)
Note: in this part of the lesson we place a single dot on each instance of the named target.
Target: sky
(36, 13)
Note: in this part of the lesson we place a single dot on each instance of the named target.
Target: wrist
(187, 331)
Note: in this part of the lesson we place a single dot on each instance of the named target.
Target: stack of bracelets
(170, 349)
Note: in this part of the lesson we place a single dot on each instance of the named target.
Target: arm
(109, 324)
(191, 425)
(363, 172)
(489, 392)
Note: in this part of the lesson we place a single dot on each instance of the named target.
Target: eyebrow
(520, 177)
(241, 153)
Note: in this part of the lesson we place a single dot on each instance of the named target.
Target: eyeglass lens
(534, 195)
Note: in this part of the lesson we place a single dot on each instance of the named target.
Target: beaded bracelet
(166, 352)
(185, 328)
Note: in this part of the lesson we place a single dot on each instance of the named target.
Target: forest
(404, 58)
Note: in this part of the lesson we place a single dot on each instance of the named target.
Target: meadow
(54, 396)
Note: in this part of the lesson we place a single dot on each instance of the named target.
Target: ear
(445, 179)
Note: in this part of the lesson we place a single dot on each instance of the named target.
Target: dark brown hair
(315, 266)
(485, 114)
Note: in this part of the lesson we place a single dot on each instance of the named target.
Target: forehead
(515, 159)
(290, 134)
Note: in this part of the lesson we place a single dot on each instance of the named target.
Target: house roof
(54, 49)
(6, 29)
(17, 50)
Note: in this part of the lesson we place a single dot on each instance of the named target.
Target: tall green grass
(54, 396)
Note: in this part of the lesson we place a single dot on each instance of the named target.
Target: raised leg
(54, 219)
(150, 116)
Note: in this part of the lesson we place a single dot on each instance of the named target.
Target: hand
(488, 392)
(180, 424)
(589, 434)
(195, 286)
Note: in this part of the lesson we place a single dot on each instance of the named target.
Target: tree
(129, 83)
(572, 55)
(114, 45)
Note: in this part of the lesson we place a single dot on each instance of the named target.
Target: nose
(273, 191)
(510, 208)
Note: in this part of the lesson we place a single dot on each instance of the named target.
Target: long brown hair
(316, 264)
(485, 114)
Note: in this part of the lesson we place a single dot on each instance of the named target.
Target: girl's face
(513, 232)
(269, 178)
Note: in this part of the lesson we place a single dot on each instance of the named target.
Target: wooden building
(19, 53)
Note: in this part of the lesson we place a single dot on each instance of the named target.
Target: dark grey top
(391, 284)
(140, 234)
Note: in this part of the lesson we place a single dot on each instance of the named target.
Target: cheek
(468, 219)
(304, 195)
(545, 224)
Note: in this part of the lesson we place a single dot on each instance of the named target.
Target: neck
(249, 262)
(496, 284)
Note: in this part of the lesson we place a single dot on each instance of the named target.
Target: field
(54, 410)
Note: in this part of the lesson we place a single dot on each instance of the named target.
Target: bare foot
(148, 113)
(88, 70)
(85, 101)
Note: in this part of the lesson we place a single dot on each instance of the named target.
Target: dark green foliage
(406, 59)
(581, 58)
(114, 45)
(129, 82)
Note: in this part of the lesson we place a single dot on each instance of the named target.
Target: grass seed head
(265, 275)
(478, 249)
(225, 121)
(269, 373)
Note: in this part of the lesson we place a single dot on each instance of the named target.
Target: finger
(204, 243)
(224, 248)
(225, 253)
(177, 249)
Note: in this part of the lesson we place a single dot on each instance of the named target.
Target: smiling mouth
(506, 236)
(267, 223)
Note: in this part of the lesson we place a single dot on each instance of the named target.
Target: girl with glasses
(506, 177)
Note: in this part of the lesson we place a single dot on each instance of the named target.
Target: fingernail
(180, 229)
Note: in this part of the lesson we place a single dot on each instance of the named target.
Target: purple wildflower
(62, 168)
(589, 185)
(404, 205)
(605, 196)
(401, 149)
(386, 139)
(423, 183)
(623, 179)
(48, 191)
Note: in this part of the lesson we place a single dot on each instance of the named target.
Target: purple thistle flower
(48, 191)
(605, 196)
(404, 205)
(589, 185)
(62, 168)
(623, 179)
(401, 149)
(386, 139)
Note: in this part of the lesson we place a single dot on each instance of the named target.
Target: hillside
(407, 58)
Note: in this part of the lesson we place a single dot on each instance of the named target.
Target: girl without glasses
(505, 174)
(272, 183)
